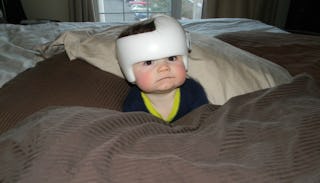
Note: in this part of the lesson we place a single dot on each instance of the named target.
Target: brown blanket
(266, 136)
(296, 52)
(58, 81)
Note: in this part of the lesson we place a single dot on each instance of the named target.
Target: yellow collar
(154, 112)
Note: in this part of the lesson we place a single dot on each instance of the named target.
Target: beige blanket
(265, 136)
(223, 70)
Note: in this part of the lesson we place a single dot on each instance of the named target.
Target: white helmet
(168, 39)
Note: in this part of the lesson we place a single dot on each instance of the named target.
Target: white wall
(46, 9)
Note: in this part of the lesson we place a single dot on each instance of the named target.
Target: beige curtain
(273, 12)
(82, 11)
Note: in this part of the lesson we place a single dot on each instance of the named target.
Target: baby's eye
(148, 62)
(172, 58)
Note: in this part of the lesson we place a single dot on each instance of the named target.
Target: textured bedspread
(19, 43)
(296, 52)
(266, 136)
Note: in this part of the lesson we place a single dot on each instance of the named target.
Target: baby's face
(160, 76)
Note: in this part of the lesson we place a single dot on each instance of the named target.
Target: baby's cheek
(181, 72)
(143, 81)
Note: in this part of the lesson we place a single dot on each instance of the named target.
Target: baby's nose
(163, 66)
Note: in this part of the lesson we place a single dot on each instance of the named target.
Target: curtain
(273, 12)
(12, 11)
(82, 11)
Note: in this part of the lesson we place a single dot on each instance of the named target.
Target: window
(137, 10)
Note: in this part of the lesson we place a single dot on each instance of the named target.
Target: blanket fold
(270, 135)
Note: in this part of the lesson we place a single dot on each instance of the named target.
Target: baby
(153, 55)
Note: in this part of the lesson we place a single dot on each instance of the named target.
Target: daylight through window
(137, 10)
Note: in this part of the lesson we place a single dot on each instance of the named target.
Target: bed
(62, 90)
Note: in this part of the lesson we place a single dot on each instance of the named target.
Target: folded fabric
(224, 70)
(269, 135)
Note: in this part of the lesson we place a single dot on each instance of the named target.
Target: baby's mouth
(164, 78)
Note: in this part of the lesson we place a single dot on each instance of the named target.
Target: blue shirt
(192, 95)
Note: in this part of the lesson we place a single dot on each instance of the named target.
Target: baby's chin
(164, 89)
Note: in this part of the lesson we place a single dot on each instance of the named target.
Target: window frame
(99, 7)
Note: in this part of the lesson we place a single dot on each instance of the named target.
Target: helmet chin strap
(168, 39)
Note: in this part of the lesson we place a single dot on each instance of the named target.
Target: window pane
(137, 10)
(191, 9)
(117, 17)
(143, 9)
(115, 11)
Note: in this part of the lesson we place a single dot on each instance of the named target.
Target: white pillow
(223, 70)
